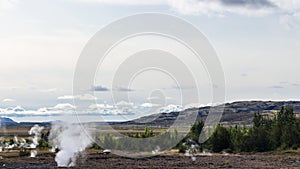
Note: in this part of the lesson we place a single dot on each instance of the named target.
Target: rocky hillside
(241, 112)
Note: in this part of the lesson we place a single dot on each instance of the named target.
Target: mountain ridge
(239, 112)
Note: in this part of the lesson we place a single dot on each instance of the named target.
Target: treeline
(267, 134)
(147, 141)
(280, 132)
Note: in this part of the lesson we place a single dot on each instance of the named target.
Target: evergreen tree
(220, 139)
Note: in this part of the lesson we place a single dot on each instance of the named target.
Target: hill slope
(241, 112)
(6, 121)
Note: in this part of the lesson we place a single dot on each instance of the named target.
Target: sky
(257, 42)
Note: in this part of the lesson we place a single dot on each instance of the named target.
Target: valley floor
(94, 160)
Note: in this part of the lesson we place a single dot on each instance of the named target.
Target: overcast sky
(257, 42)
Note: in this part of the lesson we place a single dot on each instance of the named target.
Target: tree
(285, 131)
(196, 130)
(147, 133)
(266, 134)
(257, 120)
(220, 139)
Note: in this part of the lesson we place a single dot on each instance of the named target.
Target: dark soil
(96, 160)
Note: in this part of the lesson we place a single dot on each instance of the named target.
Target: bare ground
(94, 160)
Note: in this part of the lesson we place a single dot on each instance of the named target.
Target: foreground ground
(94, 160)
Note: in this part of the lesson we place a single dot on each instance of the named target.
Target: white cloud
(86, 97)
(171, 108)
(79, 97)
(8, 100)
(149, 105)
(59, 109)
(287, 10)
(289, 13)
(216, 7)
(66, 97)
(93, 109)
(157, 98)
(124, 103)
(44, 109)
(194, 7)
(64, 106)
(8, 4)
(193, 105)
(100, 106)
(219, 7)
(210, 7)
(127, 2)
(65, 109)
(290, 21)
(106, 109)
(18, 109)
(287, 4)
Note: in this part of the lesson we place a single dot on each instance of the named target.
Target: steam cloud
(192, 151)
(71, 140)
(36, 131)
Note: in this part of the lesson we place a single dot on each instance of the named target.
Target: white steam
(33, 153)
(52, 150)
(192, 150)
(16, 140)
(156, 150)
(71, 140)
(36, 131)
(205, 153)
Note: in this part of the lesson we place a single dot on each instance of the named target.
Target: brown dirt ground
(93, 160)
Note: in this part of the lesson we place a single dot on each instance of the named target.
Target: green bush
(24, 152)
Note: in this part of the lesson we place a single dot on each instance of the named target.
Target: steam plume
(71, 140)
(36, 131)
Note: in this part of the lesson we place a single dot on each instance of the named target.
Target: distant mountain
(6, 121)
(241, 112)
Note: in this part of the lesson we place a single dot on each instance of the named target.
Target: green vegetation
(279, 133)
(267, 134)
(117, 142)
(23, 152)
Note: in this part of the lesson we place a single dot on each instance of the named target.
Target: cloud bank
(79, 97)
(102, 109)
(215, 7)
(287, 10)
(8, 100)
(99, 88)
